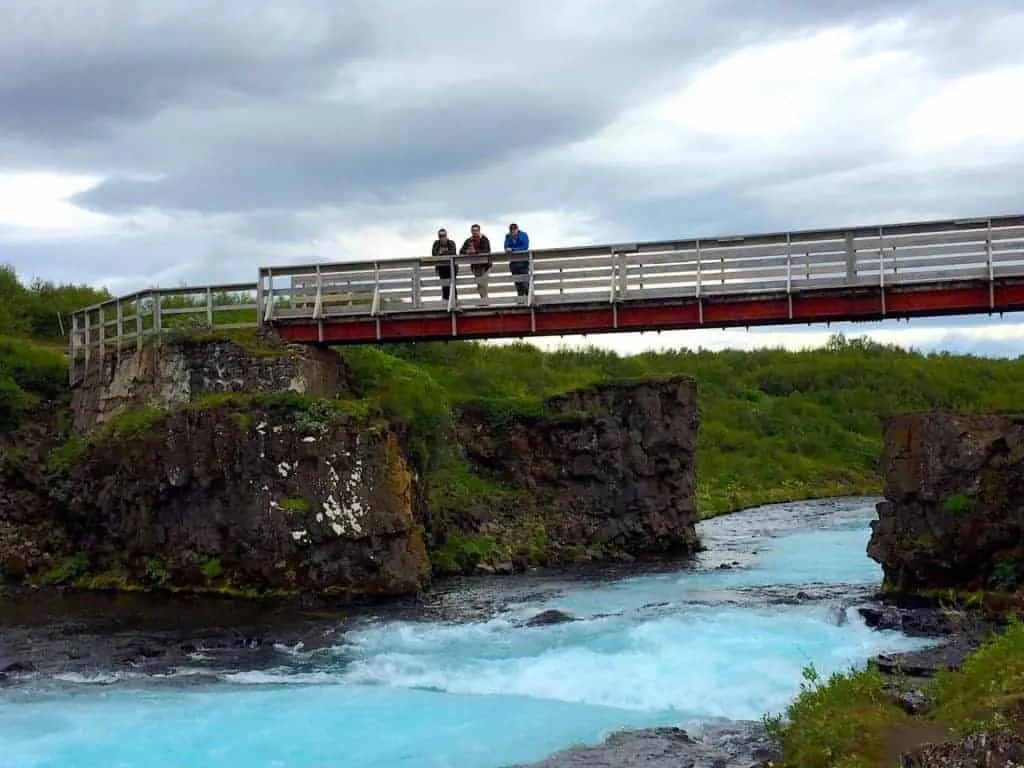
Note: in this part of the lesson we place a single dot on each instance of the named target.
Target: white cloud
(34, 205)
(974, 114)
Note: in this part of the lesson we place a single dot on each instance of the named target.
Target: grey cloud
(134, 90)
(85, 69)
(277, 123)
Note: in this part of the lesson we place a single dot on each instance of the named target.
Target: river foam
(657, 649)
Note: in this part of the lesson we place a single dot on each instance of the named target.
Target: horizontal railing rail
(886, 256)
(127, 321)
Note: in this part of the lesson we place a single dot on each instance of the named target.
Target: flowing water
(692, 645)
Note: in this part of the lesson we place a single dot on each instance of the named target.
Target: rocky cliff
(953, 514)
(185, 368)
(270, 493)
(187, 466)
(605, 470)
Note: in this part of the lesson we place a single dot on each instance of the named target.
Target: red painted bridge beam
(864, 304)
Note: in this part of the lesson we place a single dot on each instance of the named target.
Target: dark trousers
(520, 268)
(444, 272)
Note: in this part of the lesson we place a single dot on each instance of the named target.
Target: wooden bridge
(862, 273)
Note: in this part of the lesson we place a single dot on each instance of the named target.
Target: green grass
(850, 721)
(30, 375)
(775, 425)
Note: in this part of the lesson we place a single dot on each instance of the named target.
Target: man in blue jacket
(517, 241)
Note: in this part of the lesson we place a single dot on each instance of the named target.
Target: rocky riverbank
(150, 639)
(213, 467)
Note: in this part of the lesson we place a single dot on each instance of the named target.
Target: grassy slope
(849, 721)
(775, 425)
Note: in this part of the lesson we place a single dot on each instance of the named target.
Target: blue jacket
(518, 242)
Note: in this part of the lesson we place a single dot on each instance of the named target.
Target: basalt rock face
(609, 468)
(30, 539)
(953, 514)
(215, 466)
(181, 370)
(265, 498)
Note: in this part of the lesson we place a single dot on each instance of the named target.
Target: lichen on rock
(278, 512)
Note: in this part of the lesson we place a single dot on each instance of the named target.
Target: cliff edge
(217, 466)
(953, 514)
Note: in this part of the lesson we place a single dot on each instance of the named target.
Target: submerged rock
(737, 745)
(546, 618)
(953, 515)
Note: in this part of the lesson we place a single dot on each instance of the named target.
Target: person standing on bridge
(517, 241)
(443, 248)
(478, 243)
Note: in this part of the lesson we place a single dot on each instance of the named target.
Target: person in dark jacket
(517, 241)
(444, 247)
(478, 243)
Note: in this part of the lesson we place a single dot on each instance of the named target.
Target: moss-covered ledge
(260, 493)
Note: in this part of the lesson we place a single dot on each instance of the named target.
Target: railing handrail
(984, 248)
(793, 237)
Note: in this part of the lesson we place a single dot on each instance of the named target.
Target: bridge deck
(862, 273)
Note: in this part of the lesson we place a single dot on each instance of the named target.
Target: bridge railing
(127, 321)
(889, 256)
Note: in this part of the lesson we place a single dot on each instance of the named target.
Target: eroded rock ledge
(953, 515)
(264, 494)
(214, 466)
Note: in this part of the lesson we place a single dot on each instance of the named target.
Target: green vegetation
(851, 721)
(67, 571)
(294, 506)
(30, 375)
(775, 425)
(958, 502)
(41, 309)
(309, 415)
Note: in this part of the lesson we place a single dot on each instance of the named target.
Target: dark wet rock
(837, 615)
(549, 617)
(737, 745)
(953, 514)
(913, 701)
(984, 750)
(607, 472)
(927, 661)
(15, 667)
(917, 622)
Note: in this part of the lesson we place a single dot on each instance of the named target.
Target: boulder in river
(545, 618)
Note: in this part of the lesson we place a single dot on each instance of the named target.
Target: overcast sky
(156, 142)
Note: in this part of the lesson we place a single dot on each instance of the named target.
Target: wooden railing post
(158, 318)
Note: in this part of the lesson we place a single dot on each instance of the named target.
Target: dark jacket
(484, 246)
(447, 248)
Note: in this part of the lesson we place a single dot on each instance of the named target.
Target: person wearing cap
(517, 241)
(444, 247)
